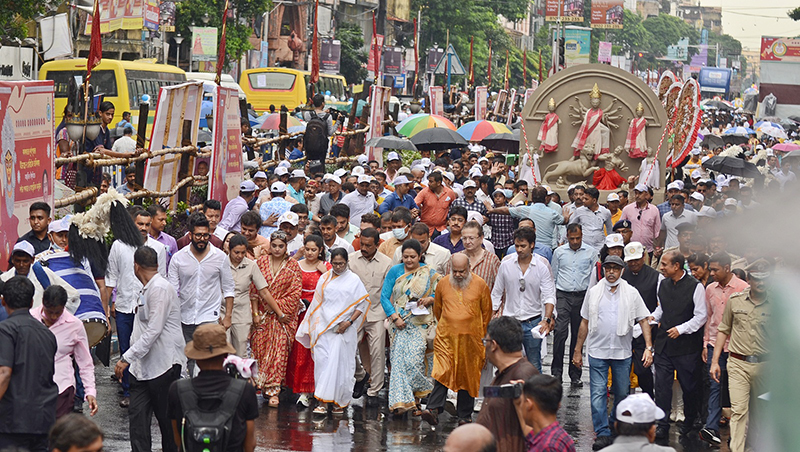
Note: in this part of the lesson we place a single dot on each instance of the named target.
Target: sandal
(338, 411)
(274, 402)
(321, 410)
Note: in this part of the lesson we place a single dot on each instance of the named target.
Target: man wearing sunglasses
(645, 219)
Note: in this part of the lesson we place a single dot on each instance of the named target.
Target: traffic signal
(561, 51)
(641, 54)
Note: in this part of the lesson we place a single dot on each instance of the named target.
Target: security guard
(745, 321)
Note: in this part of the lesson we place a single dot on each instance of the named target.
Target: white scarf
(629, 299)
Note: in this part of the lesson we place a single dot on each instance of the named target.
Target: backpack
(208, 431)
(315, 138)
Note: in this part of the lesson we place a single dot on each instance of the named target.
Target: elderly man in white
(610, 311)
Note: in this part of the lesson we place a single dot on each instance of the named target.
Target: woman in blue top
(411, 281)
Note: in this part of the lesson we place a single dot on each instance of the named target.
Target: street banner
(151, 14)
(571, 10)
(177, 110)
(499, 103)
(204, 43)
(330, 56)
(392, 61)
(374, 50)
(26, 134)
(481, 99)
(511, 105)
(434, 55)
(227, 171)
(577, 45)
(119, 15)
(436, 94)
(607, 13)
(780, 49)
(380, 98)
(604, 52)
(528, 94)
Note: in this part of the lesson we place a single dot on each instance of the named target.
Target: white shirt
(157, 340)
(436, 256)
(669, 223)
(603, 342)
(337, 243)
(124, 144)
(201, 285)
(119, 272)
(359, 205)
(295, 244)
(700, 313)
(540, 289)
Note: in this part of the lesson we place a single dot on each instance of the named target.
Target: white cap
(483, 159)
(61, 225)
(641, 188)
(418, 168)
(639, 409)
(298, 174)
(284, 164)
(475, 173)
(674, 186)
(633, 251)
(770, 152)
(731, 202)
(392, 156)
(399, 180)
(707, 212)
(680, 183)
(247, 186)
(612, 197)
(696, 174)
(695, 151)
(358, 171)
(698, 196)
(450, 175)
(278, 187)
(362, 159)
(260, 174)
(614, 240)
(340, 172)
(281, 170)
(25, 247)
(364, 179)
(759, 147)
(332, 178)
(469, 183)
(403, 170)
(549, 190)
(475, 216)
(426, 162)
(289, 217)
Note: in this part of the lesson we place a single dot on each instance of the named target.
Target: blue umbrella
(742, 131)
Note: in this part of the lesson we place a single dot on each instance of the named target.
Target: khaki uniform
(746, 323)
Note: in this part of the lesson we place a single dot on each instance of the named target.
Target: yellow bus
(122, 83)
(284, 86)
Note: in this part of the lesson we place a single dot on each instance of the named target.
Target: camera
(506, 391)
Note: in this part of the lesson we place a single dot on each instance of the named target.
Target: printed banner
(204, 43)
(528, 94)
(607, 13)
(26, 135)
(371, 56)
(604, 52)
(780, 49)
(380, 98)
(434, 55)
(436, 94)
(330, 56)
(577, 46)
(481, 99)
(499, 103)
(119, 15)
(571, 10)
(151, 15)
(226, 156)
(393, 61)
(511, 105)
(177, 105)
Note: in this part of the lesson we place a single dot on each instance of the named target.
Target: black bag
(208, 431)
(315, 138)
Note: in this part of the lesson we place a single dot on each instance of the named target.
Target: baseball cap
(674, 186)
(698, 196)
(770, 152)
(61, 225)
(475, 173)
(332, 178)
(426, 162)
(357, 171)
(392, 156)
(23, 246)
(614, 240)
(289, 217)
(759, 147)
(340, 172)
(298, 174)
(680, 183)
(731, 202)
(284, 164)
(278, 187)
(506, 193)
(281, 170)
(708, 212)
(260, 175)
(483, 159)
(696, 174)
(399, 180)
(549, 190)
(622, 224)
(208, 341)
(403, 170)
(247, 186)
(640, 188)
(695, 151)
(633, 251)
(418, 167)
(610, 259)
(450, 175)
(612, 197)
(469, 183)
(639, 409)
(362, 159)
(364, 179)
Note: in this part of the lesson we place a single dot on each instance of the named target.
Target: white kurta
(654, 178)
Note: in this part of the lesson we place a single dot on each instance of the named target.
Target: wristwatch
(650, 349)
(549, 320)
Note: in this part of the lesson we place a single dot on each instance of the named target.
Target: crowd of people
(455, 263)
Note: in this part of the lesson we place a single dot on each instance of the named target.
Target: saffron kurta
(458, 353)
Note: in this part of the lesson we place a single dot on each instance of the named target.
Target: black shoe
(662, 435)
(577, 383)
(687, 428)
(361, 387)
(124, 403)
(463, 421)
(373, 401)
(710, 436)
(430, 417)
(602, 442)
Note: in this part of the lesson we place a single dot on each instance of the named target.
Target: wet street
(360, 430)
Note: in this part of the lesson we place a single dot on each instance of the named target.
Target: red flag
(416, 58)
(96, 44)
(505, 77)
(489, 71)
(376, 50)
(471, 72)
(525, 67)
(221, 49)
(315, 47)
(540, 67)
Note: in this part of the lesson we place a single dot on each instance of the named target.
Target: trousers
(568, 321)
(149, 397)
(464, 405)
(688, 369)
(716, 391)
(744, 380)
(533, 347)
(373, 355)
(598, 390)
(124, 323)
(237, 336)
(23, 441)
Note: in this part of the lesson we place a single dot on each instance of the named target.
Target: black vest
(646, 282)
(677, 306)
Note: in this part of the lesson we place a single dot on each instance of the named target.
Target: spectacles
(522, 284)
(486, 342)
(201, 236)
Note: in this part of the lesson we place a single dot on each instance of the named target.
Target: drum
(96, 329)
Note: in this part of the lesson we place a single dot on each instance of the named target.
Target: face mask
(614, 284)
(399, 233)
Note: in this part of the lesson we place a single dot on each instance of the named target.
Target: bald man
(471, 438)
(463, 308)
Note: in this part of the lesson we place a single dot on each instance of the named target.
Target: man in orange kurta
(463, 308)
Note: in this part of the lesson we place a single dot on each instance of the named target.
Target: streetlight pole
(178, 40)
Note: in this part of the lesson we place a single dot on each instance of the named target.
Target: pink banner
(481, 99)
(226, 156)
(436, 94)
(604, 52)
(528, 94)
(26, 134)
(119, 15)
(380, 97)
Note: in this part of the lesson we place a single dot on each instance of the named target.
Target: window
(104, 81)
(272, 80)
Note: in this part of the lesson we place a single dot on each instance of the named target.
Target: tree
(668, 30)
(633, 37)
(353, 56)
(15, 15)
(794, 13)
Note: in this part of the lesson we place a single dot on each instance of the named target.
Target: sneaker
(577, 383)
(710, 436)
(662, 433)
(602, 442)
(304, 400)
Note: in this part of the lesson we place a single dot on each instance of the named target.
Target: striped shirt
(550, 439)
(486, 267)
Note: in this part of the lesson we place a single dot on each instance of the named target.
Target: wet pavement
(360, 429)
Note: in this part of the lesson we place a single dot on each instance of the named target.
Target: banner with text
(26, 134)
(177, 111)
(604, 52)
(780, 49)
(393, 61)
(227, 171)
(577, 45)
(371, 56)
(330, 56)
(119, 15)
(481, 100)
(571, 10)
(607, 13)
(380, 98)
(436, 94)
(204, 43)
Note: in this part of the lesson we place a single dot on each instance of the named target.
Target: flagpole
(489, 71)
(416, 58)
(505, 76)
(222, 44)
(315, 48)
(540, 67)
(471, 71)
(525, 68)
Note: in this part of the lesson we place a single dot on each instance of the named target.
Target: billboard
(392, 61)
(571, 10)
(226, 158)
(577, 45)
(715, 80)
(434, 55)
(119, 15)
(26, 135)
(376, 43)
(204, 43)
(780, 49)
(604, 52)
(330, 56)
(607, 13)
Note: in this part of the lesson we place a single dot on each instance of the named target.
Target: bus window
(272, 80)
(103, 81)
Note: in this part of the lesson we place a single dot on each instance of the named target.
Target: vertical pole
(141, 132)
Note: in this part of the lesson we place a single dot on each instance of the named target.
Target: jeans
(24, 441)
(598, 384)
(124, 330)
(716, 390)
(80, 391)
(568, 307)
(533, 347)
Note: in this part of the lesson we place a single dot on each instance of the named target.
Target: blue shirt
(276, 205)
(572, 269)
(299, 196)
(295, 154)
(544, 218)
(444, 241)
(541, 250)
(124, 123)
(392, 201)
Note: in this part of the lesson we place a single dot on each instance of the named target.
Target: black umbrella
(732, 166)
(719, 105)
(438, 138)
(204, 136)
(392, 142)
(735, 139)
(504, 142)
(713, 141)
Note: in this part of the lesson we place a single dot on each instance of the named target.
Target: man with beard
(463, 308)
(201, 275)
